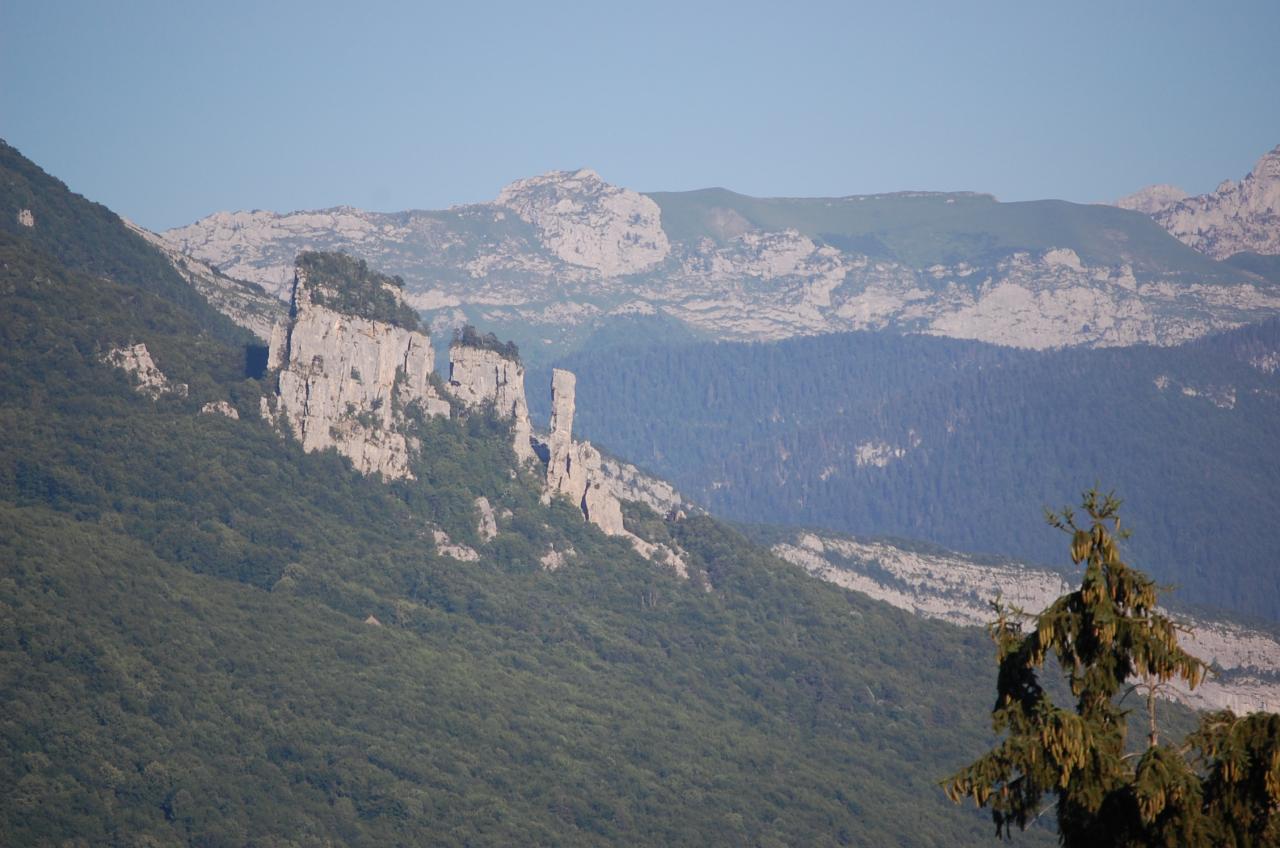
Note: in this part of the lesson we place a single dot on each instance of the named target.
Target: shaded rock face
(344, 381)
(478, 376)
(136, 361)
(1236, 217)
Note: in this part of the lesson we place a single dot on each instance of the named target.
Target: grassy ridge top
(927, 228)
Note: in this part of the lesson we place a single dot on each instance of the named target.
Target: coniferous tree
(1222, 787)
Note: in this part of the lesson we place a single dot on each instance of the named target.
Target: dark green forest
(988, 436)
(186, 656)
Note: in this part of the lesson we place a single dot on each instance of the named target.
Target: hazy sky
(168, 111)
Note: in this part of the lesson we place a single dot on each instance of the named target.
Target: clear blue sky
(167, 111)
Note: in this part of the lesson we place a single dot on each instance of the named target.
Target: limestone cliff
(576, 470)
(1236, 217)
(479, 376)
(344, 380)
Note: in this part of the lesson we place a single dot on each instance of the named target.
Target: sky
(169, 111)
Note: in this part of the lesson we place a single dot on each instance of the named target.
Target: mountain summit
(1236, 217)
(558, 257)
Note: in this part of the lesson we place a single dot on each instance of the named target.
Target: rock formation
(245, 303)
(1236, 217)
(1152, 199)
(344, 380)
(220, 407)
(479, 376)
(587, 222)
(567, 250)
(576, 470)
(136, 361)
(487, 525)
(957, 588)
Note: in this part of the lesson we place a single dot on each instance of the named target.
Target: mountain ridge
(565, 253)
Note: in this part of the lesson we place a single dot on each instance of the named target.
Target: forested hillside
(962, 443)
(212, 638)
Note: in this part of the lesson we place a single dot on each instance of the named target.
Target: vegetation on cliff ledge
(347, 285)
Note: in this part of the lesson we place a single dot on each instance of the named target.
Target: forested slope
(185, 658)
(962, 443)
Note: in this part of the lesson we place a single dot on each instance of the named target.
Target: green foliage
(469, 336)
(926, 228)
(1103, 635)
(769, 433)
(347, 285)
(87, 237)
(183, 658)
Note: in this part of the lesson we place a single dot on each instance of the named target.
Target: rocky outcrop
(1152, 199)
(447, 547)
(245, 303)
(958, 588)
(220, 407)
(1236, 217)
(344, 381)
(576, 470)
(480, 377)
(567, 250)
(487, 523)
(136, 361)
(587, 222)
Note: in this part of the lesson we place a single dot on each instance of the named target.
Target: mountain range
(557, 258)
(319, 590)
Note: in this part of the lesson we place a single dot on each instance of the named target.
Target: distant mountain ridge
(1236, 217)
(558, 256)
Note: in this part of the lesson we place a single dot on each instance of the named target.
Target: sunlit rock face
(587, 222)
(1237, 217)
(136, 361)
(1152, 199)
(480, 377)
(566, 251)
(958, 588)
(344, 381)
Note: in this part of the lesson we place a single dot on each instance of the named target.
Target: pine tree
(1222, 787)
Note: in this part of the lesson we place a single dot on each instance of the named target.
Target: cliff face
(344, 381)
(478, 376)
(577, 471)
(568, 251)
(1236, 217)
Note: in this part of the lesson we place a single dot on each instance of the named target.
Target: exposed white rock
(245, 303)
(479, 377)
(877, 454)
(1234, 218)
(220, 407)
(487, 523)
(585, 221)
(136, 360)
(25, 218)
(958, 588)
(344, 380)
(447, 547)
(628, 483)
(1152, 199)
(576, 470)
(566, 250)
(566, 469)
(554, 559)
